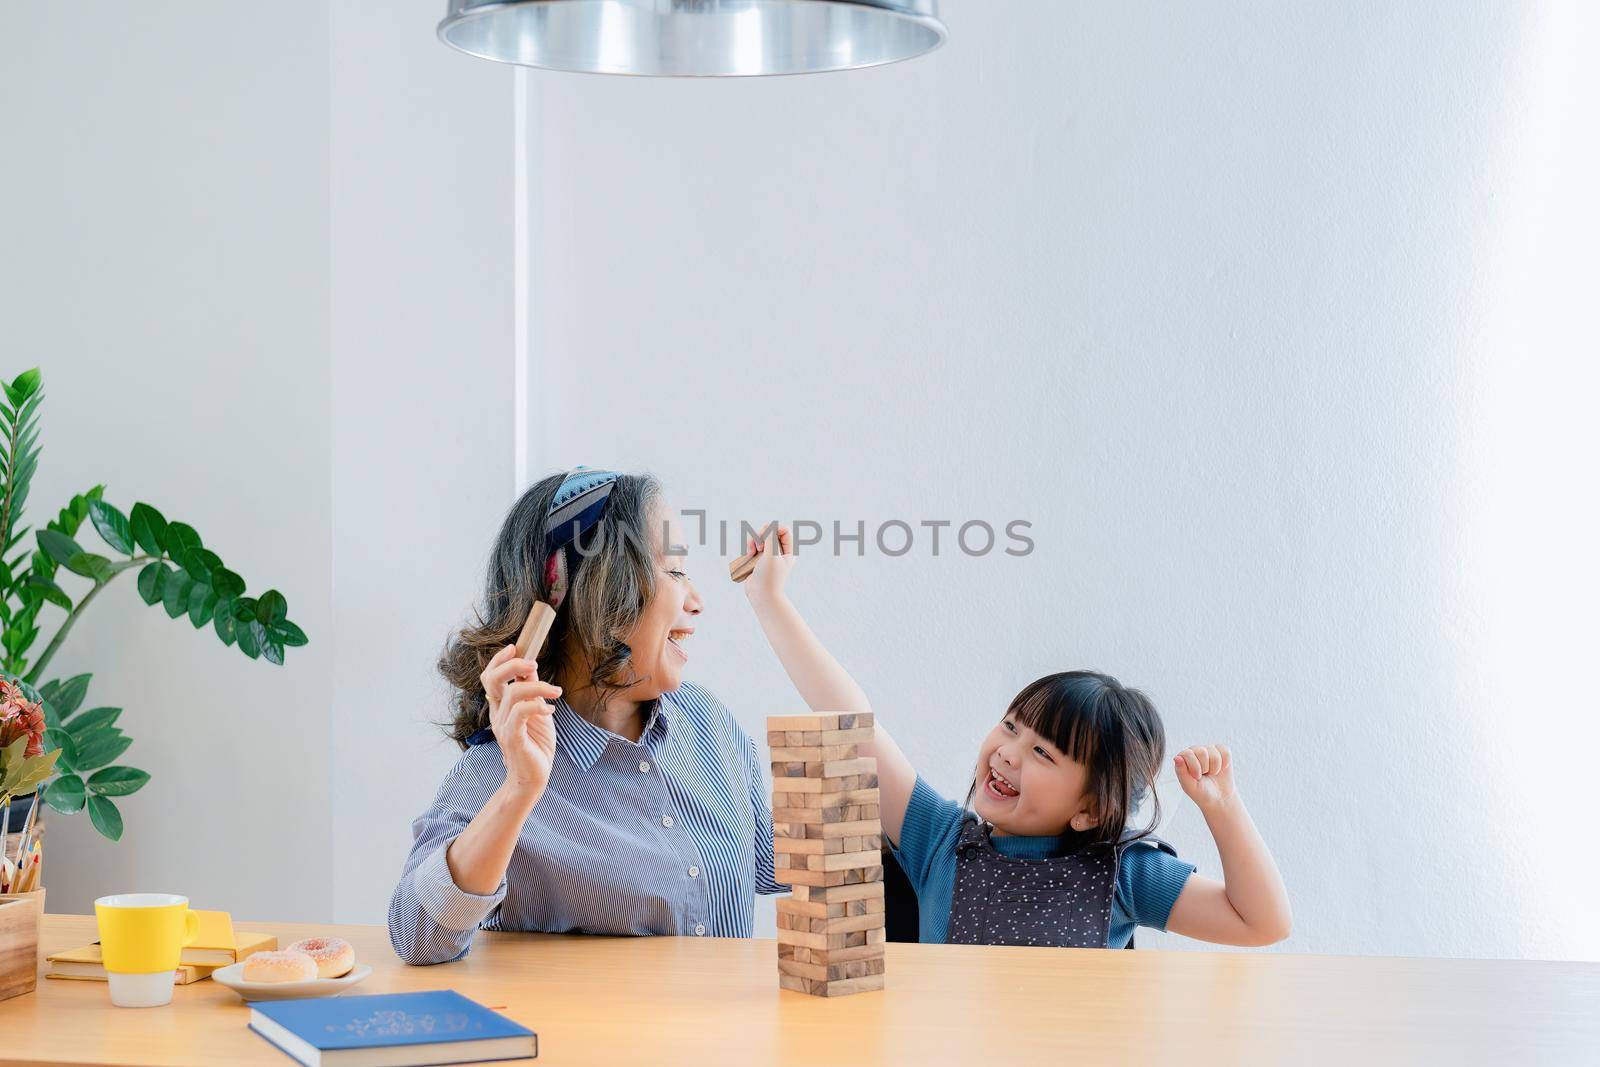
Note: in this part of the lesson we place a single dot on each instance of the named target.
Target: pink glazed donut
(284, 966)
(333, 956)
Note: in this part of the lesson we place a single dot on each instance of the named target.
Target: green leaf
(65, 794)
(149, 529)
(117, 781)
(287, 633)
(67, 696)
(46, 589)
(101, 749)
(202, 600)
(271, 651)
(23, 386)
(151, 579)
(244, 609)
(272, 607)
(194, 561)
(113, 526)
(247, 634)
(225, 582)
(92, 719)
(223, 622)
(63, 739)
(58, 546)
(180, 538)
(91, 566)
(175, 593)
(105, 816)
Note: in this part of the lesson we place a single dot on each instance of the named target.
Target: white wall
(1236, 304)
(273, 298)
(422, 245)
(165, 263)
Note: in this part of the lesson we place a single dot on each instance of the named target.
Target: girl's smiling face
(1027, 787)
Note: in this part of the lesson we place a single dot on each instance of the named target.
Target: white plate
(232, 977)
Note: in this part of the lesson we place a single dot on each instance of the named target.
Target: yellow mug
(141, 938)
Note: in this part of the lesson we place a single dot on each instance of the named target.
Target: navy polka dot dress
(1058, 902)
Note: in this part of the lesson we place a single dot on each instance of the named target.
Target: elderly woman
(598, 791)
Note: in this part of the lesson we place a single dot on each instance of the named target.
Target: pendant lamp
(694, 38)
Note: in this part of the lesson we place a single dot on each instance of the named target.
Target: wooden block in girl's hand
(742, 568)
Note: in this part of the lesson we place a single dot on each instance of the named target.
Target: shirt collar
(1030, 848)
(585, 742)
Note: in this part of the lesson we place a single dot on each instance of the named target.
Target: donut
(332, 955)
(288, 965)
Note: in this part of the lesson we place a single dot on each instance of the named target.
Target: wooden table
(613, 1001)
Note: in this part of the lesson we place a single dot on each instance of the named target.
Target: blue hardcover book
(391, 1030)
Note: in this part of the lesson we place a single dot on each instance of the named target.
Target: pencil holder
(19, 942)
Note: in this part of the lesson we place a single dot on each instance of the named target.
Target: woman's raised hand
(521, 716)
(774, 560)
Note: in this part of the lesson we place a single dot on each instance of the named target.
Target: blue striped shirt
(668, 835)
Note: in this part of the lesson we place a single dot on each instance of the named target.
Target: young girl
(1041, 853)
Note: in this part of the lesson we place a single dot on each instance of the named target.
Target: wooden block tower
(827, 841)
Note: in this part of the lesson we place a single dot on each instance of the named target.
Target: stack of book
(216, 945)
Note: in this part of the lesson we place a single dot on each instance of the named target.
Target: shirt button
(694, 872)
(700, 929)
(666, 820)
(644, 766)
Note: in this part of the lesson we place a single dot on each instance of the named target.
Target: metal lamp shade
(694, 38)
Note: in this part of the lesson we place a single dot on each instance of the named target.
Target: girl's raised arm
(1250, 906)
(822, 683)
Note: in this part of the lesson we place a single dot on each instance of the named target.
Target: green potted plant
(52, 572)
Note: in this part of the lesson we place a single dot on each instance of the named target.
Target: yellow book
(85, 962)
(94, 972)
(213, 940)
(244, 943)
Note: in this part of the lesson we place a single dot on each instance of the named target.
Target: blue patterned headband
(575, 510)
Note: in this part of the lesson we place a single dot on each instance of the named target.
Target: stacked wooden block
(827, 841)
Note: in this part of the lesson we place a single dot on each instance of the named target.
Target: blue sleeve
(766, 875)
(929, 831)
(1148, 883)
(431, 919)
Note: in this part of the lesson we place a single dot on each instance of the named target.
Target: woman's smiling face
(1026, 786)
(657, 642)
